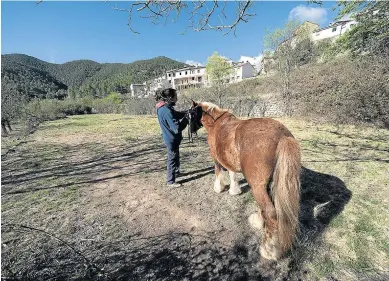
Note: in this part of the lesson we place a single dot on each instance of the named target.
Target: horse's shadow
(323, 197)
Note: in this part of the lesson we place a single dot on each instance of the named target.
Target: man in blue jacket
(172, 124)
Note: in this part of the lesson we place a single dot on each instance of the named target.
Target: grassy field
(80, 186)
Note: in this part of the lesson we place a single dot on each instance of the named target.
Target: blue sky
(64, 31)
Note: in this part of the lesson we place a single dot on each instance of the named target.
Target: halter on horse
(194, 115)
(194, 121)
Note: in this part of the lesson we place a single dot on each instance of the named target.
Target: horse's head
(204, 114)
(195, 113)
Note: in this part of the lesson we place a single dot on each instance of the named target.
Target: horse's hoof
(269, 255)
(235, 191)
(218, 188)
(256, 221)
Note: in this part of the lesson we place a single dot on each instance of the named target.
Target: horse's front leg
(219, 186)
(234, 186)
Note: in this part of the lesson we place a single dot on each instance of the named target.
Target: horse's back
(262, 129)
(238, 142)
(257, 139)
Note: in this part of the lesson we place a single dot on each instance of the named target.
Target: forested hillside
(28, 77)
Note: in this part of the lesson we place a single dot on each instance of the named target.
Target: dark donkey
(266, 153)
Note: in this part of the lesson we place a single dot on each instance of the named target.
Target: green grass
(325, 266)
(113, 126)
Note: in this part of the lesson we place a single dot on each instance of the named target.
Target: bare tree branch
(315, 2)
(202, 16)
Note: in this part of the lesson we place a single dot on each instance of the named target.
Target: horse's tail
(285, 190)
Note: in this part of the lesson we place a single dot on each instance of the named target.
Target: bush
(139, 106)
(54, 109)
(38, 111)
(344, 91)
(106, 106)
(113, 98)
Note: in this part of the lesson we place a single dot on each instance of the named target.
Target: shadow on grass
(173, 256)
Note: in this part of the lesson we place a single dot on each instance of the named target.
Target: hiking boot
(174, 184)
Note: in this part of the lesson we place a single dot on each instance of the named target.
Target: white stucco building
(254, 61)
(242, 70)
(138, 89)
(188, 77)
(333, 31)
(191, 77)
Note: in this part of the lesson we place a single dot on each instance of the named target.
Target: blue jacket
(171, 125)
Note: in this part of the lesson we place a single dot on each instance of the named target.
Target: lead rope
(190, 124)
(190, 136)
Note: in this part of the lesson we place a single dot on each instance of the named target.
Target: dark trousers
(173, 163)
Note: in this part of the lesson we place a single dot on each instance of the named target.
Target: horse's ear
(194, 104)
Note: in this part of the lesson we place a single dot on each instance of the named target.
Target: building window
(169, 74)
(334, 29)
(198, 71)
(186, 72)
(174, 75)
(180, 73)
(192, 78)
(199, 79)
(170, 81)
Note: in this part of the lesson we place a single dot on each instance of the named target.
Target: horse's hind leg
(234, 185)
(270, 244)
(265, 217)
(218, 186)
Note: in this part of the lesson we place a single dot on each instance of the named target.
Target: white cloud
(192, 62)
(304, 13)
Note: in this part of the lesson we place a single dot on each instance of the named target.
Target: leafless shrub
(139, 106)
(344, 91)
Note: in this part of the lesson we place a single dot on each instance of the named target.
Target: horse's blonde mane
(212, 107)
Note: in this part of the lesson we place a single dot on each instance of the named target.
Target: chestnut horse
(267, 154)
